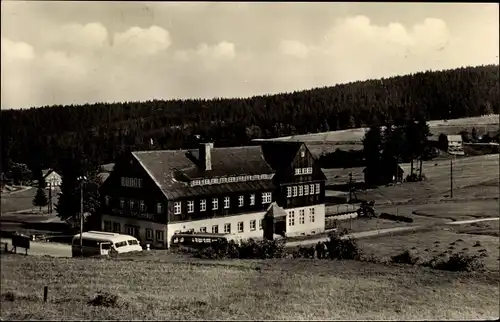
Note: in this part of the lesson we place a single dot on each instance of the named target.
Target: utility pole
(82, 181)
(50, 197)
(451, 177)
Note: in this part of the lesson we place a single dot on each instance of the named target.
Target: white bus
(101, 243)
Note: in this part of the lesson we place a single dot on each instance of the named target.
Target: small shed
(52, 178)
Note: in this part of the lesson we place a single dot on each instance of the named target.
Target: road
(41, 249)
(63, 250)
(384, 231)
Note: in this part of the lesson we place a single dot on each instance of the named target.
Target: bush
(407, 257)
(342, 248)
(395, 217)
(106, 299)
(251, 249)
(458, 262)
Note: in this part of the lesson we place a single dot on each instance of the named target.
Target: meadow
(161, 288)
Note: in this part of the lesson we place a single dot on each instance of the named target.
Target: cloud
(12, 51)
(294, 48)
(77, 38)
(137, 41)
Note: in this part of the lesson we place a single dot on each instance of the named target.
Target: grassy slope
(433, 243)
(281, 289)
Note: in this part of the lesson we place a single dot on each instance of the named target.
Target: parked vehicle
(102, 243)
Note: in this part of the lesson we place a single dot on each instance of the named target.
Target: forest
(43, 137)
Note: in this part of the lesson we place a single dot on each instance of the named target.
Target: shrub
(342, 248)
(395, 217)
(458, 262)
(407, 257)
(106, 299)
(250, 249)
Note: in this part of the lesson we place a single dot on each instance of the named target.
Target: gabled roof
(173, 169)
(46, 172)
(454, 137)
(280, 154)
(276, 211)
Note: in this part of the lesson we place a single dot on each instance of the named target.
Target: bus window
(106, 245)
(133, 242)
(120, 244)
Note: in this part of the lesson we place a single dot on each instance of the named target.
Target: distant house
(52, 178)
(383, 174)
(455, 145)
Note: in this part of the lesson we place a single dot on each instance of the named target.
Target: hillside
(42, 136)
(166, 288)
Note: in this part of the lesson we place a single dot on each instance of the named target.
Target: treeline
(41, 137)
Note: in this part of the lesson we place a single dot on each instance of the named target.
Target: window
(159, 208)
(203, 229)
(107, 200)
(213, 181)
(311, 188)
(306, 190)
(159, 235)
(131, 204)
(240, 227)
(149, 234)
(226, 202)
(288, 191)
(252, 224)
(223, 180)
(260, 224)
(295, 191)
(301, 190)
(227, 228)
(195, 182)
(298, 171)
(122, 203)
(190, 206)
(301, 216)
(131, 182)
(266, 197)
(177, 208)
(142, 205)
(215, 203)
(231, 179)
(241, 201)
(107, 226)
(302, 154)
(241, 178)
(206, 181)
(215, 229)
(203, 204)
(130, 230)
(252, 199)
(309, 170)
(311, 214)
(116, 227)
(291, 218)
(317, 188)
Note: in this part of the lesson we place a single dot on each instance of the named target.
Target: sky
(86, 52)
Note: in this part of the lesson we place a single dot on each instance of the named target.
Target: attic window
(302, 154)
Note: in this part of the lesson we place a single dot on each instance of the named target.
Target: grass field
(275, 289)
(351, 136)
(432, 243)
(22, 200)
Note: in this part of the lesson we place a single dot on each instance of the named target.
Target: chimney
(205, 156)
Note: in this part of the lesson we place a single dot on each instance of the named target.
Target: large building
(154, 194)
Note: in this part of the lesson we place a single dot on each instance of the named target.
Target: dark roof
(46, 172)
(280, 154)
(107, 167)
(172, 169)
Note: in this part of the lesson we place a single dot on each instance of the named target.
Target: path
(63, 250)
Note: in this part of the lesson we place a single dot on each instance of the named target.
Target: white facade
(53, 179)
(158, 230)
(455, 145)
(249, 229)
(243, 226)
(313, 220)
